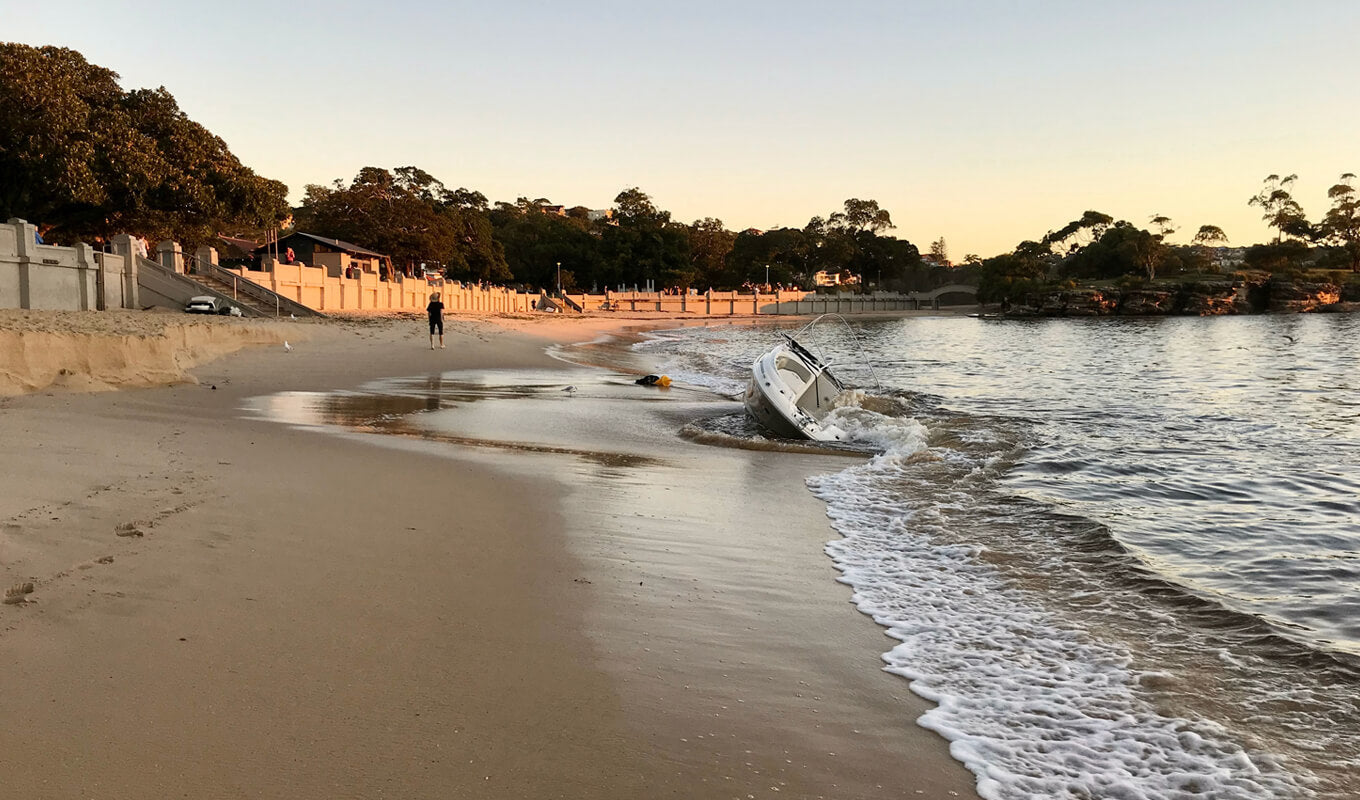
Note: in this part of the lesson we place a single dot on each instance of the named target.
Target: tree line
(1096, 246)
(86, 160)
(414, 217)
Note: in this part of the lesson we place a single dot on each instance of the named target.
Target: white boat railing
(819, 354)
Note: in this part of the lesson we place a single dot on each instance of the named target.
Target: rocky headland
(1192, 298)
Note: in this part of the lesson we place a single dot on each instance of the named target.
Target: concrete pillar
(204, 255)
(88, 276)
(24, 233)
(170, 256)
(122, 245)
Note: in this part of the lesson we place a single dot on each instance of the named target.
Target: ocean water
(1122, 556)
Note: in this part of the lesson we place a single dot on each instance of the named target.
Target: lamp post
(767, 277)
(559, 279)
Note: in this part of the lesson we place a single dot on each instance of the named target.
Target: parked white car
(206, 304)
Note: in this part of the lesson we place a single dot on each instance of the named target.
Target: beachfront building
(827, 278)
(234, 250)
(340, 258)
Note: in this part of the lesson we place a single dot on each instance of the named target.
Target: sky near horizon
(983, 122)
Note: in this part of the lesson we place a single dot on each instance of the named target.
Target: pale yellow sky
(982, 122)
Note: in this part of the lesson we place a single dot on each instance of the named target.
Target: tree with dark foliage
(409, 215)
(82, 155)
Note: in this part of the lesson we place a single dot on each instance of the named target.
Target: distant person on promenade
(436, 311)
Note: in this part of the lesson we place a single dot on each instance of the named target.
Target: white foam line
(1034, 706)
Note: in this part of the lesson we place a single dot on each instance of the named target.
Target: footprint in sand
(128, 529)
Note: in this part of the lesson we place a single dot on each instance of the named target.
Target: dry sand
(226, 607)
(95, 351)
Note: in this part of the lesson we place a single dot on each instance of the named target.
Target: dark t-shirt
(436, 309)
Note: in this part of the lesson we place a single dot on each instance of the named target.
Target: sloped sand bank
(99, 351)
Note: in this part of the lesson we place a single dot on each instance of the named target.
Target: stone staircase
(251, 306)
(254, 299)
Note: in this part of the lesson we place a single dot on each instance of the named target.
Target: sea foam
(1033, 704)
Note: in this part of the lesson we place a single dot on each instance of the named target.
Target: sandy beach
(225, 605)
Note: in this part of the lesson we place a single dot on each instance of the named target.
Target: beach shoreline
(295, 613)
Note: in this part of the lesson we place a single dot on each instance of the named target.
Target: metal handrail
(251, 288)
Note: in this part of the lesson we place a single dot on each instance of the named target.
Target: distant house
(1227, 258)
(826, 278)
(340, 258)
(235, 251)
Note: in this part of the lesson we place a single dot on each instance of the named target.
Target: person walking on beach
(436, 311)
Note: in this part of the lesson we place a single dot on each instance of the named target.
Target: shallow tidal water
(1121, 556)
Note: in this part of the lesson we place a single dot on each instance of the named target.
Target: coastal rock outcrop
(1146, 302)
(1211, 299)
(1077, 303)
(1298, 296)
(1243, 295)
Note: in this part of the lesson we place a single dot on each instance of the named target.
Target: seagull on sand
(287, 348)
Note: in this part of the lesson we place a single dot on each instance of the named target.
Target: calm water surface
(1122, 555)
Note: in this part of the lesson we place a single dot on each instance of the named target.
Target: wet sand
(290, 613)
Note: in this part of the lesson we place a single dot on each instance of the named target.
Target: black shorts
(436, 324)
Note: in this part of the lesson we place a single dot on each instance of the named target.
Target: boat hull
(760, 408)
(790, 393)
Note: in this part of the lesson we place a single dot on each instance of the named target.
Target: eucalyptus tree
(1163, 225)
(1210, 236)
(861, 215)
(1278, 207)
(1123, 249)
(1206, 239)
(1078, 233)
(1341, 225)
